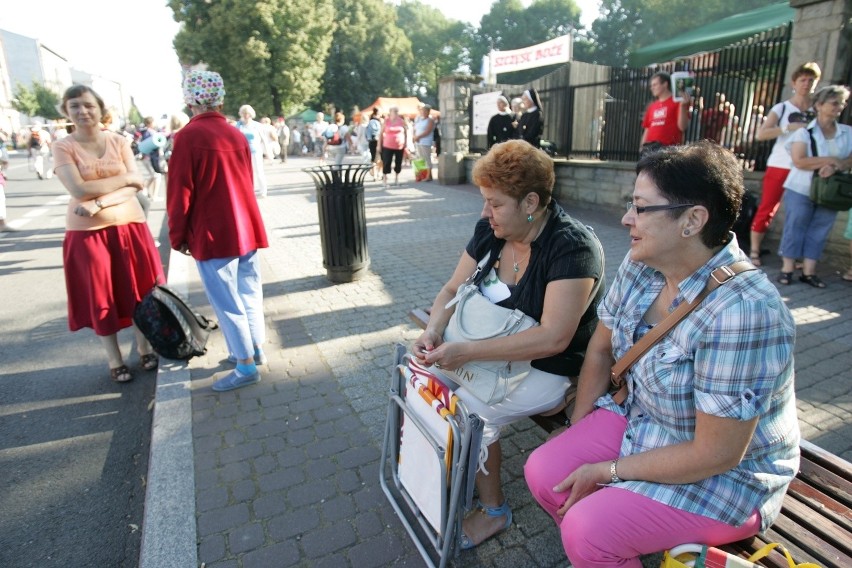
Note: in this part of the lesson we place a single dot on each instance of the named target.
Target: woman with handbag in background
(528, 254)
(109, 255)
(807, 224)
(703, 441)
(781, 122)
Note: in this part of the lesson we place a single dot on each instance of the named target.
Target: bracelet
(785, 129)
(613, 473)
(99, 204)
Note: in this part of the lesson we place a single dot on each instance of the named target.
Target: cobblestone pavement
(286, 471)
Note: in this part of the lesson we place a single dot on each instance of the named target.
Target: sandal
(754, 257)
(501, 511)
(120, 374)
(847, 276)
(149, 361)
(812, 280)
(785, 278)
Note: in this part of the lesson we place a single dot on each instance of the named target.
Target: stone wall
(609, 184)
(454, 96)
(821, 33)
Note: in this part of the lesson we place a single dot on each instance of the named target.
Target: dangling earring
(529, 218)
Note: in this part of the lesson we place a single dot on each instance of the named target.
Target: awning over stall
(715, 36)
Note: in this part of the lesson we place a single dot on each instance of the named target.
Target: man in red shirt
(665, 119)
(213, 216)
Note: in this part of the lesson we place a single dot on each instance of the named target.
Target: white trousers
(536, 393)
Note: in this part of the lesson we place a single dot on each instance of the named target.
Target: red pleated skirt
(107, 272)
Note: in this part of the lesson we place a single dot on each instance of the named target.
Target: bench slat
(817, 524)
(824, 505)
(826, 459)
(827, 482)
(786, 531)
(419, 317)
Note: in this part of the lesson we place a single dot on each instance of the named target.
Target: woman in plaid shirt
(706, 443)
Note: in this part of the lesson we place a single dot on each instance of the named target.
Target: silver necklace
(515, 266)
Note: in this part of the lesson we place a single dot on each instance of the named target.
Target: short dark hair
(664, 77)
(702, 173)
(75, 91)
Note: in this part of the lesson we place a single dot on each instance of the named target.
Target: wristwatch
(99, 204)
(613, 474)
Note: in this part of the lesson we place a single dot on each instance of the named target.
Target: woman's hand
(427, 341)
(830, 168)
(87, 209)
(584, 481)
(450, 356)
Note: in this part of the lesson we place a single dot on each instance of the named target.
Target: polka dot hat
(203, 88)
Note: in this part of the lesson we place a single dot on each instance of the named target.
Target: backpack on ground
(174, 329)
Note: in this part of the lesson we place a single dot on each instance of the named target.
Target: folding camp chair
(430, 455)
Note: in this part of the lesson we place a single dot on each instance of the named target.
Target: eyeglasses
(649, 208)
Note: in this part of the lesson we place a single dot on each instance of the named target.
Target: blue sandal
(501, 511)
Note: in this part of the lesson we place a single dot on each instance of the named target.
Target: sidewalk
(286, 471)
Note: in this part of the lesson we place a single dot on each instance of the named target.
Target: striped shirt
(732, 357)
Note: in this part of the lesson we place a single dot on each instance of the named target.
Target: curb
(168, 527)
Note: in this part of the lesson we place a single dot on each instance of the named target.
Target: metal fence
(735, 88)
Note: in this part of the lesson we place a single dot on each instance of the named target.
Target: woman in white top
(806, 224)
(424, 136)
(253, 131)
(781, 122)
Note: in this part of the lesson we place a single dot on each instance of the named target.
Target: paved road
(286, 471)
(73, 445)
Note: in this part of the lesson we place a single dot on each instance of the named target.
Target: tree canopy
(271, 53)
(36, 100)
(280, 55)
(369, 56)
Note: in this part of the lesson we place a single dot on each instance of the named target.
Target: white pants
(336, 153)
(425, 152)
(258, 174)
(536, 393)
(43, 165)
(234, 288)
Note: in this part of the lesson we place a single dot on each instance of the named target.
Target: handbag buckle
(726, 274)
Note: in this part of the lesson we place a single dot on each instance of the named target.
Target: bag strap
(813, 142)
(718, 277)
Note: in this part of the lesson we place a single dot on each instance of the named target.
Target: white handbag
(475, 318)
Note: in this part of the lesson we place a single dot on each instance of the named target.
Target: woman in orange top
(109, 254)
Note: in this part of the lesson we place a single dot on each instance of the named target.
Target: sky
(130, 41)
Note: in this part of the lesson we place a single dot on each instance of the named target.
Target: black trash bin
(342, 220)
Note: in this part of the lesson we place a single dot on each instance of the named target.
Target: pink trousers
(613, 527)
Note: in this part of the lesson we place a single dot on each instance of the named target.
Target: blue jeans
(235, 292)
(806, 227)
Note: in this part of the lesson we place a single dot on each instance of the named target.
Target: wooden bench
(815, 524)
